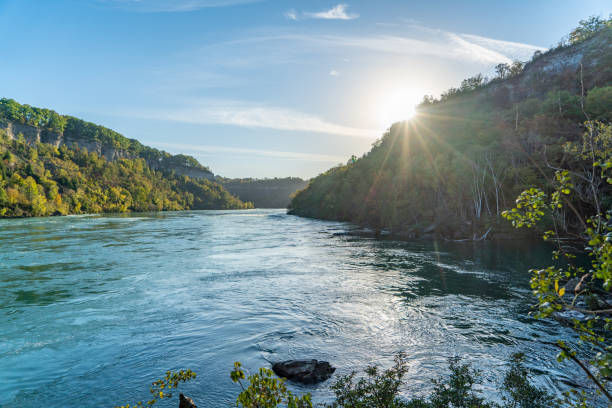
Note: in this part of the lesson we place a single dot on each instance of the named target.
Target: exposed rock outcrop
(179, 164)
(589, 60)
(304, 371)
(186, 402)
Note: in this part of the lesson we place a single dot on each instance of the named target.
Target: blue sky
(262, 88)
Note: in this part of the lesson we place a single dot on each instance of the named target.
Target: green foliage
(77, 130)
(588, 291)
(505, 71)
(265, 390)
(453, 168)
(12, 111)
(382, 389)
(458, 391)
(44, 180)
(162, 388)
(528, 210)
(598, 103)
(37, 180)
(519, 392)
(377, 390)
(562, 104)
(588, 28)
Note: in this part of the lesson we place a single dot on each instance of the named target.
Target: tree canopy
(45, 180)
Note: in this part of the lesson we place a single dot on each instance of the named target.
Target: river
(94, 308)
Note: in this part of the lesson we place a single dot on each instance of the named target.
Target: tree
(472, 83)
(265, 390)
(598, 104)
(569, 287)
(516, 68)
(587, 28)
(162, 388)
(502, 70)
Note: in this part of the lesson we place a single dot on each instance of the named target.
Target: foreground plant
(266, 390)
(377, 389)
(382, 389)
(163, 387)
(583, 292)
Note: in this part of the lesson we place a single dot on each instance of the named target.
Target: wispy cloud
(156, 6)
(338, 12)
(512, 50)
(464, 47)
(193, 148)
(228, 63)
(291, 48)
(291, 15)
(335, 13)
(446, 45)
(256, 116)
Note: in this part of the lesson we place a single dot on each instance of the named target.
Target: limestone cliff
(156, 159)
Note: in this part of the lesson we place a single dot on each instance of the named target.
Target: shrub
(161, 388)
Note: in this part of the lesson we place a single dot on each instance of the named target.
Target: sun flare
(397, 105)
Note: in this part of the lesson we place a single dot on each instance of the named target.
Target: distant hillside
(463, 159)
(55, 165)
(264, 193)
(47, 126)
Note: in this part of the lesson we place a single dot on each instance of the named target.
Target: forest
(55, 128)
(460, 162)
(42, 179)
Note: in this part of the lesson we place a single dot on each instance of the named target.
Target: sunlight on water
(93, 308)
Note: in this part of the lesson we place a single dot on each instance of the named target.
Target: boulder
(186, 402)
(304, 371)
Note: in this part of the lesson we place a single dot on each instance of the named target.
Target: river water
(94, 308)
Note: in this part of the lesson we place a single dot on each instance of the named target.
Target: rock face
(31, 134)
(304, 371)
(179, 164)
(590, 59)
(186, 402)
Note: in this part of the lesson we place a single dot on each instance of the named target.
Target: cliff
(44, 173)
(79, 133)
(585, 65)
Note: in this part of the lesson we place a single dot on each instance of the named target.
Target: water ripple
(93, 308)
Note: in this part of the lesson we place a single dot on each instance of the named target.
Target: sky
(262, 88)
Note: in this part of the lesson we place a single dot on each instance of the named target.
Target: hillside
(462, 160)
(264, 193)
(56, 165)
(47, 126)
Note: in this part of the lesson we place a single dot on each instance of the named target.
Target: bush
(265, 390)
(599, 103)
(162, 388)
(381, 389)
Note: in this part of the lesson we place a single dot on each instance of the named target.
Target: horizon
(262, 89)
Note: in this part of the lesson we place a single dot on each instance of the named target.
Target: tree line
(461, 161)
(586, 30)
(41, 179)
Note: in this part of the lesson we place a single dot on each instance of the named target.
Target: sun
(397, 105)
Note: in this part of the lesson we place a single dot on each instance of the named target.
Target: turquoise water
(94, 308)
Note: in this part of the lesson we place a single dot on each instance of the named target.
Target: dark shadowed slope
(462, 160)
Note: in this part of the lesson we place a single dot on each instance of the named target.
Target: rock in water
(186, 402)
(304, 371)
